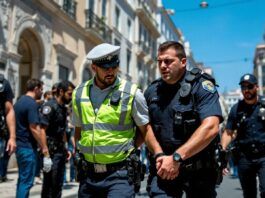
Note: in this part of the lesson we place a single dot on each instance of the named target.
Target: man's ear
(61, 92)
(183, 61)
(94, 67)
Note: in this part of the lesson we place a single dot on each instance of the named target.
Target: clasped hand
(167, 168)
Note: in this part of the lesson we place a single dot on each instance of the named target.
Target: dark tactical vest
(250, 121)
(174, 124)
(57, 116)
(3, 126)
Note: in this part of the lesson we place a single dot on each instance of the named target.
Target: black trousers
(248, 170)
(53, 180)
(199, 183)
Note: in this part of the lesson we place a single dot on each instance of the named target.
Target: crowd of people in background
(178, 118)
(30, 142)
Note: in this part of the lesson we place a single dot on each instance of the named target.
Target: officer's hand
(225, 171)
(11, 146)
(47, 164)
(69, 155)
(169, 169)
(158, 163)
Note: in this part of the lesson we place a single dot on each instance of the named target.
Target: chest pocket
(186, 118)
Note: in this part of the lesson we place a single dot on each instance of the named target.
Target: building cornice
(57, 11)
(61, 49)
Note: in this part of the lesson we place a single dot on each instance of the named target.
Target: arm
(11, 124)
(201, 138)
(150, 139)
(145, 132)
(40, 136)
(227, 137)
(47, 162)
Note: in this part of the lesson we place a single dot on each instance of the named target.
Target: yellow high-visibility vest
(106, 136)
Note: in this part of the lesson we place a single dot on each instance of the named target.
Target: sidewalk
(8, 188)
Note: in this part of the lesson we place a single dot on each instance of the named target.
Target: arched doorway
(29, 47)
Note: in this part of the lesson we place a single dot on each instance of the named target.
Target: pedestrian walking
(7, 126)
(245, 128)
(185, 114)
(53, 122)
(105, 109)
(28, 136)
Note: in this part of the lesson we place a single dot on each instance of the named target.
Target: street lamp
(204, 4)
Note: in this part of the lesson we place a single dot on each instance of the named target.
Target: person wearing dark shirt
(53, 122)
(7, 126)
(28, 136)
(246, 129)
(185, 114)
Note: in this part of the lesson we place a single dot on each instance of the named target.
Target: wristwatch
(177, 157)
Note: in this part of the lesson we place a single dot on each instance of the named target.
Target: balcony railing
(69, 6)
(148, 12)
(98, 25)
(145, 15)
(144, 47)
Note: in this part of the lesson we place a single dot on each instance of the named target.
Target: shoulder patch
(208, 86)
(46, 110)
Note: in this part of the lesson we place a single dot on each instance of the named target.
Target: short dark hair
(64, 85)
(32, 83)
(180, 51)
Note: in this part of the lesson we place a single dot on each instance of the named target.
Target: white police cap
(104, 55)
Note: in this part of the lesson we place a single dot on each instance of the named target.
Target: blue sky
(223, 35)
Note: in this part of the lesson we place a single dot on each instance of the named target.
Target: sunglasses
(247, 87)
(167, 61)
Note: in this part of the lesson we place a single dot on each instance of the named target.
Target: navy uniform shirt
(6, 93)
(165, 107)
(54, 116)
(251, 128)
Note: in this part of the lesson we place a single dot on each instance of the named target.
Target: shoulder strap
(239, 107)
(186, 84)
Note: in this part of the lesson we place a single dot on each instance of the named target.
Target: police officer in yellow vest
(105, 111)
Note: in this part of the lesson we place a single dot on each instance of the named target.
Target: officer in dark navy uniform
(7, 126)
(53, 120)
(185, 114)
(246, 126)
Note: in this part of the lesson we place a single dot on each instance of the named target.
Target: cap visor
(108, 65)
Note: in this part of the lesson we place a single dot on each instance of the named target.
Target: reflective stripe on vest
(107, 136)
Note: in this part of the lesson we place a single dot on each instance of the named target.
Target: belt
(95, 168)
(198, 164)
